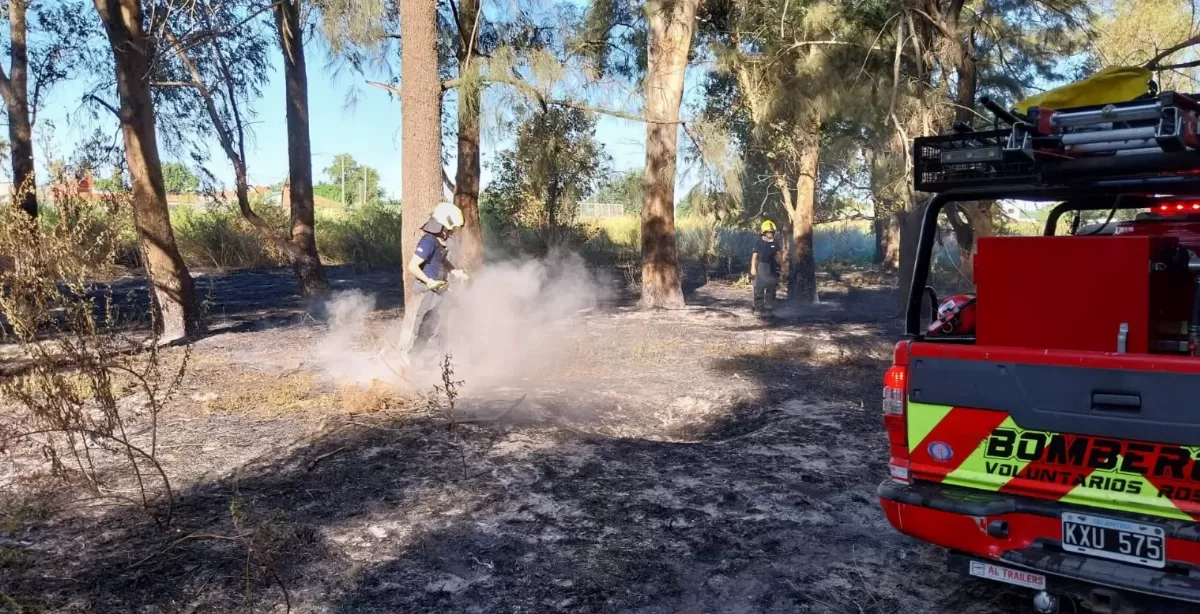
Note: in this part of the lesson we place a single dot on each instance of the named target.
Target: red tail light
(895, 405)
(1178, 207)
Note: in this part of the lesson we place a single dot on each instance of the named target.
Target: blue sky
(369, 130)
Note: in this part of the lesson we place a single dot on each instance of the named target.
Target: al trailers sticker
(1016, 577)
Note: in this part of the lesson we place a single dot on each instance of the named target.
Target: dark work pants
(765, 285)
(425, 325)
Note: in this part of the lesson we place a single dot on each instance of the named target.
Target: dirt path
(694, 461)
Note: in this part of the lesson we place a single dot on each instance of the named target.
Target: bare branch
(5, 86)
(901, 38)
(102, 103)
(937, 23)
(234, 151)
(1153, 64)
(1182, 65)
(391, 88)
(204, 37)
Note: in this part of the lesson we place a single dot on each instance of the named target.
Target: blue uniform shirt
(766, 251)
(433, 257)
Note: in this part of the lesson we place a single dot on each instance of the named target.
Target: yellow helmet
(768, 226)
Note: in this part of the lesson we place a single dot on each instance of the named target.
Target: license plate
(999, 573)
(1118, 540)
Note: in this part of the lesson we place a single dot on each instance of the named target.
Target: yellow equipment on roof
(1113, 84)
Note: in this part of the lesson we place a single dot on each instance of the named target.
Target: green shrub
(109, 221)
(221, 238)
(367, 237)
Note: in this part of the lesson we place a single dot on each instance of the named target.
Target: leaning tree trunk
(466, 178)
(233, 142)
(802, 282)
(15, 89)
(671, 25)
(303, 220)
(174, 290)
(420, 107)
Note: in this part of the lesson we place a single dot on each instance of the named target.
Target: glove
(438, 285)
(460, 275)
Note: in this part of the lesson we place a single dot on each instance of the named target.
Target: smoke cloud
(512, 320)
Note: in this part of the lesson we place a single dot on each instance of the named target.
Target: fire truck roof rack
(1149, 138)
(983, 168)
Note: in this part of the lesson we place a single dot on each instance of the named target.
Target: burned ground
(692, 461)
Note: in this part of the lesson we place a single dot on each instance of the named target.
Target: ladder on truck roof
(1148, 144)
(1097, 158)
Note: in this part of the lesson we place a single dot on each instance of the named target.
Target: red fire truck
(1045, 429)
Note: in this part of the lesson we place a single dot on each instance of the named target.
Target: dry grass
(296, 394)
(378, 397)
(652, 351)
(270, 397)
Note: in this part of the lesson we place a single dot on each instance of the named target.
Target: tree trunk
(553, 194)
(15, 88)
(174, 290)
(300, 179)
(421, 135)
(891, 243)
(880, 227)
(802, 284)
(466, 177)
(671, 25)
(967, 232)
(909, 223)
(978, 215)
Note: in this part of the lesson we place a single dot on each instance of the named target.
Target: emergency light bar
(1176, 207)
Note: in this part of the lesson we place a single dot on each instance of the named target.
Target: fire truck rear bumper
(1024, 534)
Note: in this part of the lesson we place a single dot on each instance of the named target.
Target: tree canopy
(554, 164)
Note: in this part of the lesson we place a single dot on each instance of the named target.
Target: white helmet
(448, 215)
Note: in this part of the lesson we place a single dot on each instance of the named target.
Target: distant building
(283, 198)
(279, 196)
(594, 211)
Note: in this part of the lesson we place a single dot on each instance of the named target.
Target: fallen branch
(324, 456)
(172, 545)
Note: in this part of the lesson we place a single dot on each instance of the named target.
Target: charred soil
(699, 460)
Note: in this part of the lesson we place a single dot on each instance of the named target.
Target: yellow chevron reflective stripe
(1146, 501)
(974, 471)
(922, 419)
(1102, 489)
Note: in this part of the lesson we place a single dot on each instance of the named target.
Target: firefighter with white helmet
(431, 267)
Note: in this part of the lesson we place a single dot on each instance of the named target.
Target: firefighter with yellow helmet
(432, 269)
(766, 263)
